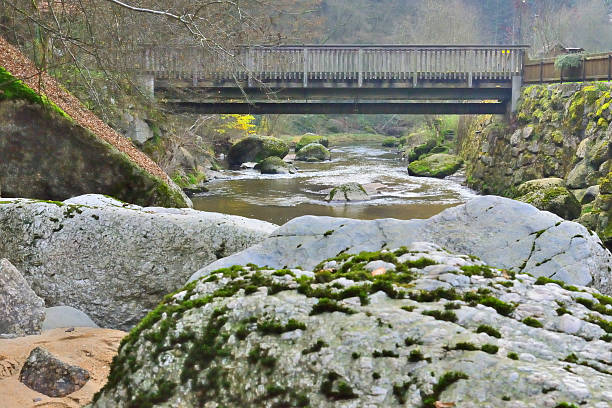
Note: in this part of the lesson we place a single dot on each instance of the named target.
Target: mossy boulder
(275, 165)
(313, 152)
(419, 151)
(437, 165)
(309, 138)
(256, 149)
(539, 184)
(347, 192)
(555, 198)
(50, 157)
(390, 142)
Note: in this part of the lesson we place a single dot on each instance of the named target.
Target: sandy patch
(89, 348)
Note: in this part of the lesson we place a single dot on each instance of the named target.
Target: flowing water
(279, 198)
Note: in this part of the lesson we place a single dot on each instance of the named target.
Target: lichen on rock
(437, 327)
(313, 152)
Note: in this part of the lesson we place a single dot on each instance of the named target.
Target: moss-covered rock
(550, 195)
(347, 192)
(391, 142)
(437, 165)
(53, 158)
(275, 165)
(309, 138)
(313, 152)
(256, 149)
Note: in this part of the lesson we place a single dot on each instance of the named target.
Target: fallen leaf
(379, 271)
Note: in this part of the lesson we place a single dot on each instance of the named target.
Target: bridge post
(249, 66)
(146, 84)
(360, 67)
(305, 68)
(517, 82)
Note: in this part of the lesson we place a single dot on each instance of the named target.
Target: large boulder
(275, 165)
(309, 138)
(255, 149)
(112, 260)
(504, 233)
(48, 375)
(21, 311)
(52, 158)
(437, 165)
(550, 195)
(432, 329)
(313, 152)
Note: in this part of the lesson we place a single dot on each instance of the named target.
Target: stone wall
(560, 130)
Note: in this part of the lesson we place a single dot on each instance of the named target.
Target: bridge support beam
(339, 108)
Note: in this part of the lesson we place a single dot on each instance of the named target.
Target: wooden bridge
(335, 79)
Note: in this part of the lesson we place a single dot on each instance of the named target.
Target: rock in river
(275, 165)
(255, 149)
(348, 192)
(437, 330)
(113, 260)
(504, 233)
(313, 152)
(437, 165)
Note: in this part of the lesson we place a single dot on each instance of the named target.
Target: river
(279, 198)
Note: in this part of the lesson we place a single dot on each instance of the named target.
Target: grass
(490, 348)
(513, 356)
(274, 327)
(326, 305)
(447, 315)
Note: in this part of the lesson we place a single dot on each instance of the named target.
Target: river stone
(539, 184)
(139, 131)
(65, 317)
(504, 233)
(348, 192)
(112, 262)
(276, 342)
(275, 165)
(437, 165)
(309, 138)
(21, 310)
(46, 374)
(313, 152)
(255, 149)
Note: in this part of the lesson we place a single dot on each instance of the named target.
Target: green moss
(562, 310)
(390, 142)
(482, 270)
(308, 139)
(447, 315)
(13, 89)
(411, 341)
(566, 405)
(464, 346)
(326, 305)
(275, 327)
(448, 379)
(335, 389)
(490, 348)
(315, 348)
(491, 331)
(513, 356)
(384, 353)
(530, 321)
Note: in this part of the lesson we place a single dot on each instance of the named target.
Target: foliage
(568, 61)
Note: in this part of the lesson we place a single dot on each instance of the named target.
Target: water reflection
(279, 198)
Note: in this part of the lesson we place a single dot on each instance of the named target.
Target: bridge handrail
(357, 63)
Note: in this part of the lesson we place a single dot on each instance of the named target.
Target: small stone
(570, 324)
(378, 265)
(46, 374)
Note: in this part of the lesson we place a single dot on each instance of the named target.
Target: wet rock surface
(46, 374)
(436, 329)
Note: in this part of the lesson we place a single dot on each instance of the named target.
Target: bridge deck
(370, 76)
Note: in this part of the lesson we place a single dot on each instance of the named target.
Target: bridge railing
(334, 63)
(594, 67)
